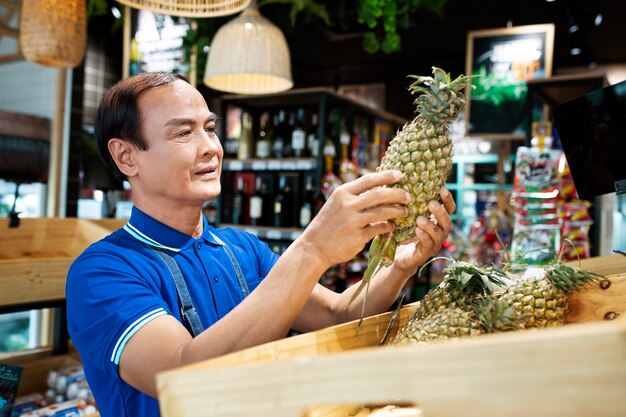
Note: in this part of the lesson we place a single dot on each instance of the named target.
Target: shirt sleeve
(108, 301)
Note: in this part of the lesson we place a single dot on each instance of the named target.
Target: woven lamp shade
(54, 32)
(189, 8)
(249, 55)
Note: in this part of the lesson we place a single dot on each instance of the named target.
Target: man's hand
(355, 213)
(429, 236)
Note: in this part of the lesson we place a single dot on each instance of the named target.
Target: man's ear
(122, 152)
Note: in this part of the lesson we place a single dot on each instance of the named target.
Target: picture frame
(153, 42)
(501, 62)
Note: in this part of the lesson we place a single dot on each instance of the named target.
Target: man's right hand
(354, 214)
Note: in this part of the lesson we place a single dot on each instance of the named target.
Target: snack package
(73, 408)
(536, 244)
(536, 172)
(27, 403)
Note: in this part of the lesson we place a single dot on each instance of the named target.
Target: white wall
(28, 88)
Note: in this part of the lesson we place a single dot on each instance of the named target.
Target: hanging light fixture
(249, 55)
(189, 8)
(54, 32)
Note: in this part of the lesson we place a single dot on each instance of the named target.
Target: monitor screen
(592, 132)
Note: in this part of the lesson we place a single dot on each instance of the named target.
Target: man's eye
(210, 129)
(184, 133)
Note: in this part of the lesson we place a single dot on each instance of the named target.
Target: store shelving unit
(319, 100)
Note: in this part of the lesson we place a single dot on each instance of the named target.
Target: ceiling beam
(4, 59)
(6, 31)
(6, 18)
(10, 5)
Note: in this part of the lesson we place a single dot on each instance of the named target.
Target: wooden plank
(35, 257)
(605, 265)
(11, 58)
(605, 300)
(13, 6)
(6, 31)
(572, 371)
(24, 125)
(330, 340)
(33, 281)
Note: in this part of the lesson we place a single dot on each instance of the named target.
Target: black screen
(592, 132)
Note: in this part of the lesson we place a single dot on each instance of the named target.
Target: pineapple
(422, 150)
(541, 293)
(486, 315)
(462, 283)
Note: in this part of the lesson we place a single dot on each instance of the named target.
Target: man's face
(182, 164)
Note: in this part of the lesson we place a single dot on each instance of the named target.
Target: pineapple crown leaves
(495, 315)
(475, 279)
(440, 98)
(568, 278)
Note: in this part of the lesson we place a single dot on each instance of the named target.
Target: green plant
(384, 17)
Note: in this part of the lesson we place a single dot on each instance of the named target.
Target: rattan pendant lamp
(189, 8)
(249, 55)
(54, 32)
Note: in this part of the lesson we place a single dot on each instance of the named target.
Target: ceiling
(326, 57)
(331, 56)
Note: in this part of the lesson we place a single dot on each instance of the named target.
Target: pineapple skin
(423, 152)
(541, 293)
(542, 303)
(449, 323)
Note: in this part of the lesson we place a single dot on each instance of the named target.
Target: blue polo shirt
(119, 284)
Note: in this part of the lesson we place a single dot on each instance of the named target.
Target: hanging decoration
(249, 55)
(189, 8)
(54, 32)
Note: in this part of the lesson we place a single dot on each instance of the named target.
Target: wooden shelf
(35, 258)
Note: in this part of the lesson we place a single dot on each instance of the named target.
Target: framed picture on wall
(502, 61)
(153, 42)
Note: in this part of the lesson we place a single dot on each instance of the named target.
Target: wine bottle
(266, 134)
(244, 149)
(308, 203)
(312, 141)
(240, 203)
(284, 204)
(279, 141)
(298, 135)
(256, 204)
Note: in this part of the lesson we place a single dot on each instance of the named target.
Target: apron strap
(187, 309)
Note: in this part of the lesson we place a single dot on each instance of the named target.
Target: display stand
(573, 371)
(34, 261)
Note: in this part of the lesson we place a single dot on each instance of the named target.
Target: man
(124, 293)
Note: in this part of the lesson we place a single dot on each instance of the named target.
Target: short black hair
(118, 114)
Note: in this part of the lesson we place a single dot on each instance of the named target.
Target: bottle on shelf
(240, 203)
(312, 140)
(267, 211)
(266, 135)
(284, 204)
(298, 135)
(348, 171)
(256, 204)
(244, 148)
(278, 143)
(308, 206)
(330, 181)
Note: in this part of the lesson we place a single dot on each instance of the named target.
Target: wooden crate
(575, 370)
(35, 257)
